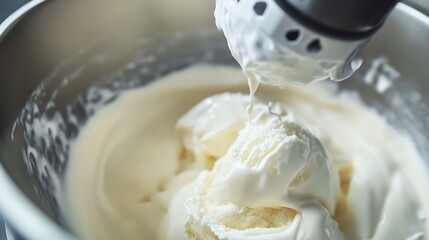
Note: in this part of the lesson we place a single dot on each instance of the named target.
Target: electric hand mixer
(302, 40)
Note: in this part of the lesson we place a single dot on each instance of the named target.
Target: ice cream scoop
(271, 160)
(275, 182)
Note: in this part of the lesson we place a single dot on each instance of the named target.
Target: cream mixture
(179, 159)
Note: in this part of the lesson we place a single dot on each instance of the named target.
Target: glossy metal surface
(58, 37)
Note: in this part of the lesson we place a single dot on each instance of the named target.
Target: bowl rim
(16, 208)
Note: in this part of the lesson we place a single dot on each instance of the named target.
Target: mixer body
(303, 40)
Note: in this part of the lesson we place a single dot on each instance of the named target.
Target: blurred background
(9, 6)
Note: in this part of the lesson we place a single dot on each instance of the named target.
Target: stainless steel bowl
(56, 51)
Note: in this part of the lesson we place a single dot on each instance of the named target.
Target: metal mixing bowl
(54, 54)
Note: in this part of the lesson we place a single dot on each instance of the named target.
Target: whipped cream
(273, 161)
(209, 128)
(138, 175)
